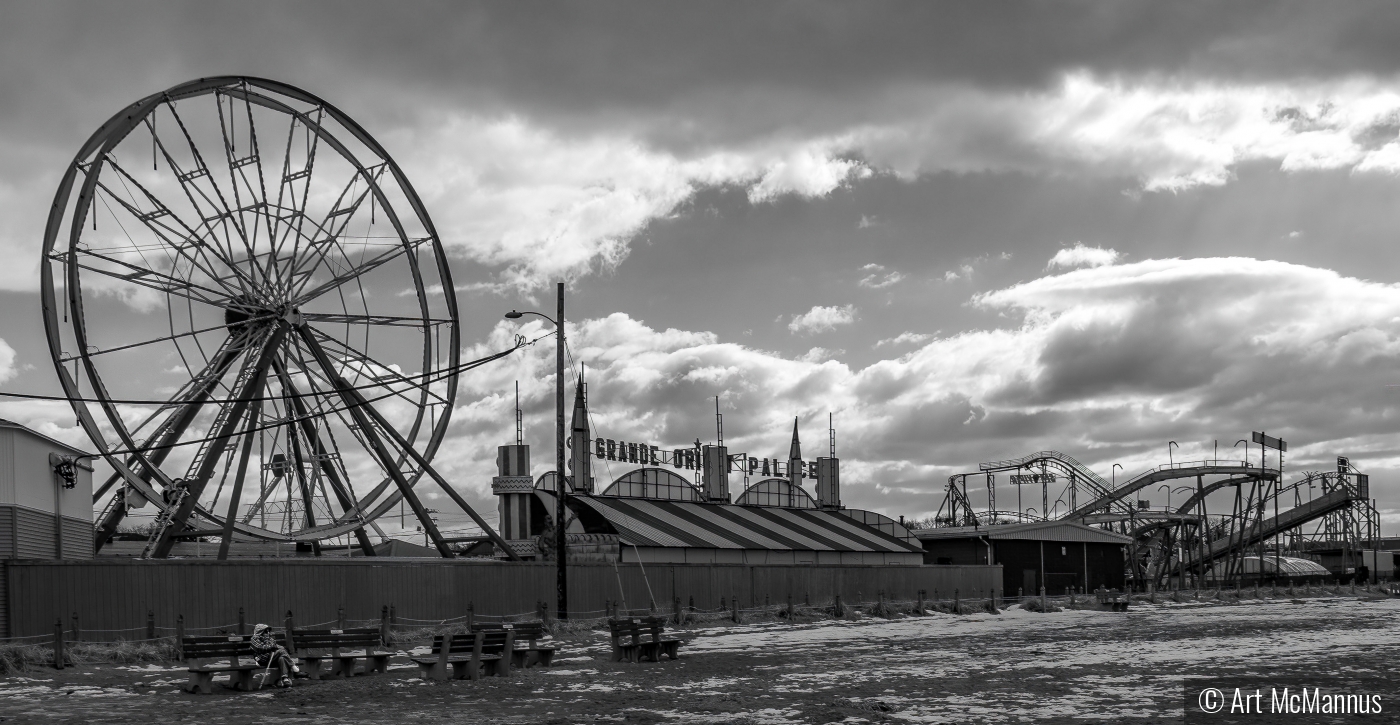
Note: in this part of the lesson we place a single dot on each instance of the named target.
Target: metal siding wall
(7, 465)
(115, 595)
(77, 539)
(34, 534)
(7, 532)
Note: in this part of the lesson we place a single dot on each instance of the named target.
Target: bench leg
(343, 667)
(432, 671)
(547, 657)
(242, 680)
(617, 655)
(671, 649)
(201, 683)
(377, 663)
(462, 671)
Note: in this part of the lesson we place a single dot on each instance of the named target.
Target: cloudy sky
(968, 233)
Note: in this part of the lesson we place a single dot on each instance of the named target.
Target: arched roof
(777, 492)
(654, 483)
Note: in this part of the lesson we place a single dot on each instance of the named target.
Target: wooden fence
(132, 599)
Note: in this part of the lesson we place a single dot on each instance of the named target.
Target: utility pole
(560, 547)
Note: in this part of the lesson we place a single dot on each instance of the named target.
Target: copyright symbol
(1211, 700)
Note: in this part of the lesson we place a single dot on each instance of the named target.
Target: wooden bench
(467, 655)
(1118, 601)
(313, 645)
(527, 632)
(640, 638)
(220, 647)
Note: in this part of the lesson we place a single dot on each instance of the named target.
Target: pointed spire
(796, 452)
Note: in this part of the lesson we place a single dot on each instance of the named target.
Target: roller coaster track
(1107, 494)
(1170, 472)
(1268, 528)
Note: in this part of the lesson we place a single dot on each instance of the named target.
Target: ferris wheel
(254, 318)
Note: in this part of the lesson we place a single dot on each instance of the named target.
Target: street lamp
(561, 580)
(1113, 472)
(1170, 462)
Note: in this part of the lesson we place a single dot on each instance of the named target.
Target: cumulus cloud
(905, 338)
(543, 205)
(1082, 256)
(878, 277)
(1106, 363)
(7, 361)
(822, 319)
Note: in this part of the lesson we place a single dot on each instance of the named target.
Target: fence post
(734, 613)
(838, 610)
(150, 624)
(1043, 608)
(995, 608)
(77, 629)
(58, 655)
(384, 626)
(935, 597)
(471, 615)
(920, 611)
(242, 621)
(692, 604)
(957, 602)
(340, 618)
(789, 607)
(1020, 594)
(180, 636)
(539, 610)
(806, 599)
(290, 624)
(676, 601)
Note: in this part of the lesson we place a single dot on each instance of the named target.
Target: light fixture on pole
(561, 581)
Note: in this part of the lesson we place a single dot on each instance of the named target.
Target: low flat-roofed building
(1054, 554)
(45, 496)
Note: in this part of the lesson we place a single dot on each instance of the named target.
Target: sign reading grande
(692, 459)
(1023, 479)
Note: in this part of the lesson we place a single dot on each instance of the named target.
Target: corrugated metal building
(1054, 554)
(45, 497)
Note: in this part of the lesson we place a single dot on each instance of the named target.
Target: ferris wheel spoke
(151, 279)
(363, 268)
(200, 234)
(181, 240)
(389, 320)
(239, 209)
(222, 213)
(379, 372)
(331, 229)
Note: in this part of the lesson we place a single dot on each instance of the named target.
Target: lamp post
(560, 549)
(1170, 462)
(1113, 473)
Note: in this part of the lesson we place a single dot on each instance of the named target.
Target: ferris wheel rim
(108, 136)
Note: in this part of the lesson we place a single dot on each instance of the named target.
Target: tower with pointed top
(580, 442)
(794, 465)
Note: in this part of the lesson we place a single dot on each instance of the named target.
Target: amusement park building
(45, 497)
(653, 514)
(1051, 554)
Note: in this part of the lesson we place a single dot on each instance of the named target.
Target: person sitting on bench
(269, 654)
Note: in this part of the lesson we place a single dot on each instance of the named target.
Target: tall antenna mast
(719, 423)
(519, 439)
(831, 430)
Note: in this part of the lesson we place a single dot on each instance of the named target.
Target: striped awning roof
(653, 522)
